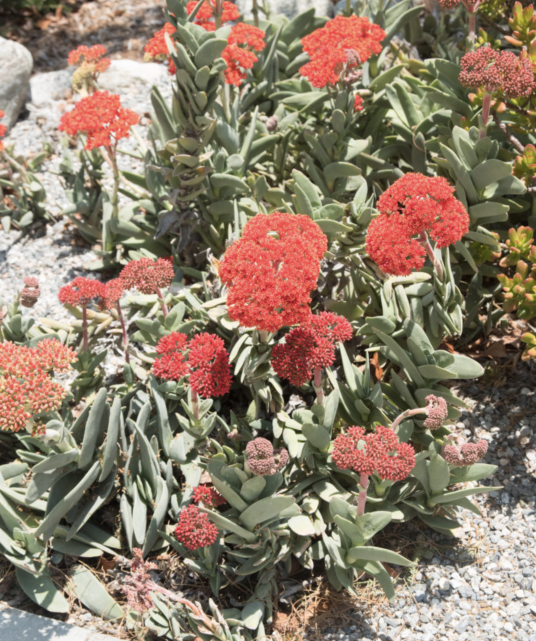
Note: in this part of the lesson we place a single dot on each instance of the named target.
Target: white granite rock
(289, 8)
(16, 65)
(124, 74)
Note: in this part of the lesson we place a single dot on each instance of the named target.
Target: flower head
(208, 365)
(302, 352)
(338, 47)
(449, 4)
(81, 291)
(262, 459)
(412, 206)
(30, 293)
(101, 118)
(92, 64)
(497, 70)
(111, 293)
(205, 17)
(208, 496)
(436, 411)
(174, 342)
(239, 55)
(358, 103)
(27, 391)
(271, 270)
(378, 453)
(171, 364)
(147, 276)
(466, 454)
(195, 530)
(157, 49)
(3, 130)
(331, 326)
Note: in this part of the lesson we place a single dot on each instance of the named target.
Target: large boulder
(126, 74)
(289, 8)
(16, 65)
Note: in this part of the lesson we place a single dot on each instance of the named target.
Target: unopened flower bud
(437, 412)
(272, 123)
(30, 293)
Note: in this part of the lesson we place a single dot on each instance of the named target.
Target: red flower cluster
(90, 55)
(271, 270)
(466, 454)
(208, 496)
(376, 453)
(205, 16)
(358, 103)
(414, 204)
(262, 459)
(111, 293)
(3, 130)
(310, 346)
(498, 71)
(27, 391)
(195, 530)
(81, 291)
(101, 118)
(147, 276)
(209, 367)
(338, 48)
(242, 57)
(171, 365)
(436, 411)
(156, 48)
(208, 362)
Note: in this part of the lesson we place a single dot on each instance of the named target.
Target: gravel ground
(481, 585)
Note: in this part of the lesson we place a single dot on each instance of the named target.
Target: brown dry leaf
(495, 350)
(378, 371)
(45, 23)
(107, 565)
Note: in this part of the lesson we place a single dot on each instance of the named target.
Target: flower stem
(116, 176)
(125, 335)
(405, 415)
(163, 305)
(195, 404)
(363, 487)
(317, 384)
(486, 104)
(431, 255)
(85, 342)
(472, 26)
(255, 12)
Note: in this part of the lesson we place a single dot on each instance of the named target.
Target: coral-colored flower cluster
(310, 346)
(111, 293)
(27, 391)
(101, 118)
(244, 40)
(410, 207)
(157, 49)
(271, 270)
(204, 358)
(195, 530)
(378, 453)
(436, 412)
(338, 48)
(3, 130)
(92, 64)
(205, 17)
(262, 459)
(498, 71)
(81, 291)
(466, 454)
(207, 495)
(147, 276)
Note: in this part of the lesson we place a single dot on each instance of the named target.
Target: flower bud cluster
(262, 459)
(436, 412)
(466, 454)
(30, 293)
(379, 452)
(195, 530)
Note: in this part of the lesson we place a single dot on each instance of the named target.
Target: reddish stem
(317, 384)
(125, 335)
(163, 305)
(195, 404)
(85, 342)
(405, 415)
(363, 487)
(486, 104)
(431, 255)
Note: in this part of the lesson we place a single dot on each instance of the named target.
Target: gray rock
(16, 64)
(127, 74)
(47, 88)
(289, 8)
